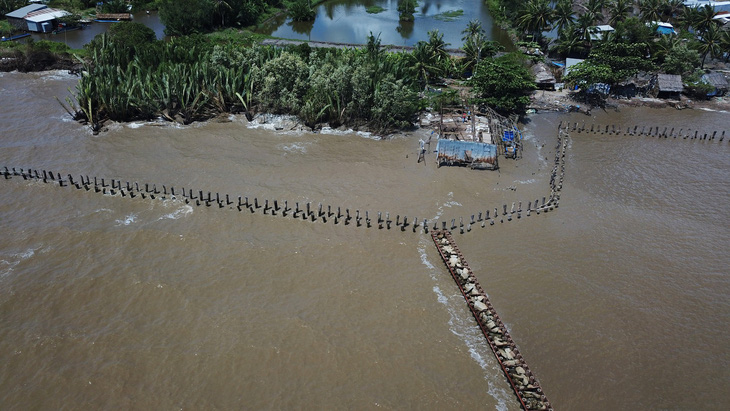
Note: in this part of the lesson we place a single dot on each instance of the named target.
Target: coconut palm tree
(570, 43)
(703, 18)
(725, 44)
(619, 10)
(472, 30)
(596, 8)
(584, 27)
(710, 43)
(564, 14)
(437, 46)
(422, 63)
(650, 10)
(672, 9)
(536, 17)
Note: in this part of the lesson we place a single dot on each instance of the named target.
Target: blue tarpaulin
(477, 155)
(509, 135)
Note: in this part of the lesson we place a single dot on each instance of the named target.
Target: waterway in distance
(618, 299)
(347, 21)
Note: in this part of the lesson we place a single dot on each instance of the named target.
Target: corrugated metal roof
(716, 80)
(23, 11)
(467, 153)
(45, 15)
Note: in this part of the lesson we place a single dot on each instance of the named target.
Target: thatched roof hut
(669, 85)
(544, 78)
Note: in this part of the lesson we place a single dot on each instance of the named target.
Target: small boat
(15, 37)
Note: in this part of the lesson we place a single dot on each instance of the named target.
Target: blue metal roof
(23, 11)
(468, 152)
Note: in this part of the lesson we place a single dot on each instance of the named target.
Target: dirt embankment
(544, 100)
(37, 61)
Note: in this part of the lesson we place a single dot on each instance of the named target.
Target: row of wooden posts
(651, 131)
(305, 211)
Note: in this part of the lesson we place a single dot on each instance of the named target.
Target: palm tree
(476, 46)
(596, 8)
(437, 45)
(584, 27)
(472, 30)
(663, 45)
(620, 9)
(474, 40)
(564, 14)
(570, 43)
(703, 18)
(422, 63)
(710, 43)
(673, 9)
(536, 17)
(725, 44)
(651, 10)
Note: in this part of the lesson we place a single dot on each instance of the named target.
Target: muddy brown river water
(618, 299)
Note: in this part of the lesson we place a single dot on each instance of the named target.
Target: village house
(37, 18)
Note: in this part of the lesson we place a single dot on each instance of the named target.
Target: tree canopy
(503, 83)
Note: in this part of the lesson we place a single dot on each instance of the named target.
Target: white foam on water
(459, 326)
(136, 124)
(6, 266)
(127, 220)
(294, 147)
(530, 181)
(180, 212)
(54, 75)
(713, 110)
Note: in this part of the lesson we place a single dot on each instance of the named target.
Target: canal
(76, 39)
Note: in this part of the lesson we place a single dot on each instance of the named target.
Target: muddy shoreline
(561, 101)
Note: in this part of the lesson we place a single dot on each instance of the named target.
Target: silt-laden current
(618, 299)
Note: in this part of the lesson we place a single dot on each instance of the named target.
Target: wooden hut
(544, 78)
(718, 81)
(669, 86)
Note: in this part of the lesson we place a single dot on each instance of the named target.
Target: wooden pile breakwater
(523, 381)
(306, 211)
(648, 131)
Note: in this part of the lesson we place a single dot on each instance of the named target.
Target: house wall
(17, 23)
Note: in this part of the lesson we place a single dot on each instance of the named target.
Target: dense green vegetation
(130, 76)
(503, 83)
(182, 17)
(449, 15)
(634, 46)
(406, 8)
(5, 28)
(374, 9)
(6, 6)
(302, 10)
(36, 55)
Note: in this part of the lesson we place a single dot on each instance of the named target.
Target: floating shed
(467, 153)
